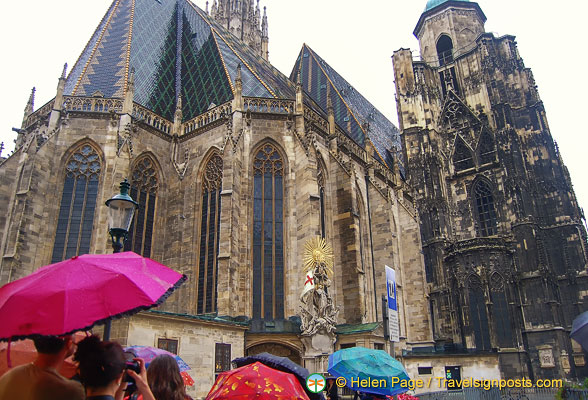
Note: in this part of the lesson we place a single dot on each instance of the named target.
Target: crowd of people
(104, 373)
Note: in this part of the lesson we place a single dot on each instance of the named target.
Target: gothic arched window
(209, 235)
(445, 50)
(78, 202)
(485, 209)
(478, 314)
(487, 150)
(268, 234)
(320, 178)
(144, 185)
(462, 157)
(500, 312)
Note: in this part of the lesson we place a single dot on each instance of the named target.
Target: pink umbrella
(78, 293)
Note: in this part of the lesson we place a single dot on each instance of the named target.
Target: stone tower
(244, 21)
(235, 167)
(503, 240)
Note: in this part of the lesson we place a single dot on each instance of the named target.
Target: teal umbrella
(369, 371)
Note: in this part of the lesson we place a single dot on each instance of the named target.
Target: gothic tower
(235, 167)
(503, 240)
(244, 21)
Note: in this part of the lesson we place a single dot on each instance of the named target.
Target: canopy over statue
(318, 313)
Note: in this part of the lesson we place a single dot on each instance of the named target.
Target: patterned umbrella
(148, 353)
(256, 381)
(188, 380)
(281, 364)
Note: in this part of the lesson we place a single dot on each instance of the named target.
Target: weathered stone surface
(471, 118)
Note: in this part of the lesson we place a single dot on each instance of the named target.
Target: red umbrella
(75, 294)
(188, 380)
(256, 381)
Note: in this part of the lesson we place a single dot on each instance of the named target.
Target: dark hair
(100, 362)
(48, 344)
(165, 381)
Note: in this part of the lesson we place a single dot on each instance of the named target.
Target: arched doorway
(276, 349)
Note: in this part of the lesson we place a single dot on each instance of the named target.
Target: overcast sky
(357, 38)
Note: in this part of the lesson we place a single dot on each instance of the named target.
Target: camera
(133, 366)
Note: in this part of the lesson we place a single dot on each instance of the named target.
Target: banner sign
(392, 305)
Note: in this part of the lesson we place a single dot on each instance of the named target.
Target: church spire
(242, 18)
(264, 36)
(29, 108)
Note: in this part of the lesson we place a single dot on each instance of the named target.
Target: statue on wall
(317, 312)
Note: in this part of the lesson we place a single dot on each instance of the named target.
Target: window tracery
(320, 178)
(144, 186)
(78, 203)
(268, 233)
(207, 272)
(462, 157)
(485, 209)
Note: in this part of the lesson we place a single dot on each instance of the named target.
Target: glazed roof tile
(354, 114)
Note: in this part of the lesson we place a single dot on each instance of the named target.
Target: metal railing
(494, 393)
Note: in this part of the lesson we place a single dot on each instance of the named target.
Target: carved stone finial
(132, 77)
(64, 73)
(207, 8)
(238, 73)
(31, 103)
(1, 148)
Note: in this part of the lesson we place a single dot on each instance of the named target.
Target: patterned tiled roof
(353, 113)
(175, 49)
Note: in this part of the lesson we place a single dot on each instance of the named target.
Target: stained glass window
(320, 178)
(462, 157)
(478, 315)
(500, 312)
(268, 234)
(209, 235)
(78, 202)
(144, 185)
(485, 209)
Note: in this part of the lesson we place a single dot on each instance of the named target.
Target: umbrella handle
(8, 362)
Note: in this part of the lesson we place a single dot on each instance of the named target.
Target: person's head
(165, 381)
(100, 363)
(51, 344)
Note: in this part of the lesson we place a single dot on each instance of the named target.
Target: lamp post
(121, 208)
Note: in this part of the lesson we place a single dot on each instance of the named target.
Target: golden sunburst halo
(317, 250)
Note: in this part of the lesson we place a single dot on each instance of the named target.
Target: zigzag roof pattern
(175, 49)
(353, 113)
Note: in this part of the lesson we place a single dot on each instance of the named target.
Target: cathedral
(236, 166)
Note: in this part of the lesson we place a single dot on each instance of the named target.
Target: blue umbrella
(580, 330)
(369, 371)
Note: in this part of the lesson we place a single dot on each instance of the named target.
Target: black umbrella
(281, 364)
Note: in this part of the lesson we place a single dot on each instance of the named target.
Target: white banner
(393, 327)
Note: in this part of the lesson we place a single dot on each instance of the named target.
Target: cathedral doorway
(276, 349)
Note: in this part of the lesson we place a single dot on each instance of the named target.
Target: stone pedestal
(317, 348)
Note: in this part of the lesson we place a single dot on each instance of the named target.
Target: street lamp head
(121, 208)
